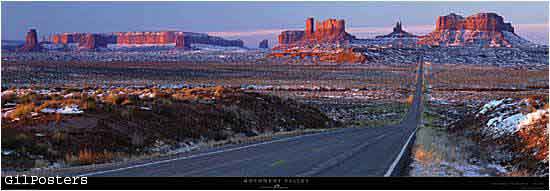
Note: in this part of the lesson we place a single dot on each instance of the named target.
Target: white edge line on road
(206, 154)
(398, 158)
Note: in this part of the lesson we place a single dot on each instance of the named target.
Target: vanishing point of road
(377, 151)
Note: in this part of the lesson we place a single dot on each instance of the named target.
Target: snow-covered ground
(518, 131)
(438, 153)
(208, 47)
(505, 116)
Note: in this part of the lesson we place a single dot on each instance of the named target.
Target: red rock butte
(482, 29)
(327, 31)
(479, 22)
(264, 44)
(180, 39)
(397, 32)
(31, 41)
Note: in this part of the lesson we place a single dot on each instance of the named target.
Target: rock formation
(94, 41)
(180, 39)
(290, 37)
(310, 27)
(89, 42)
(264, 44)
(347, 55)
(199, 38)
(482, 29)
(31, 41)
(328, 31)
(163, 37)
(397, 32)
(480, 22)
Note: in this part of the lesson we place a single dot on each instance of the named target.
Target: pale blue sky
(54, 17)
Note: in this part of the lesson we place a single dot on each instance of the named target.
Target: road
(344, 152)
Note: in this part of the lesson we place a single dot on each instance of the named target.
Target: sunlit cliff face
(482, 29)
(534, 133)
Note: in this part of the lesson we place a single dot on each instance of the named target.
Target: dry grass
(87, 156)
(22, 110)
(461, 76)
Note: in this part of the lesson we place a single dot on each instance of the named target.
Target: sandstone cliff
(180, 39)
(328, 31)
(164, 37)
(264, 44)
(290, 37)
(482, 29)
(31, 41)
(397, 32)
(341, 56)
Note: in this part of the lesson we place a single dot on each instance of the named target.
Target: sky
(254, 21)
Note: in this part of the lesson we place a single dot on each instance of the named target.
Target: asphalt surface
(344, 152)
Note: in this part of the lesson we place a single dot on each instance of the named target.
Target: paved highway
(367, 151)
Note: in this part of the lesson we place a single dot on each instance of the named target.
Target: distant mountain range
(482, 29)
(11, 45)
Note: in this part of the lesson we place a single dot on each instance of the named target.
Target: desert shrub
(40, 163)
(75, 95)
(56, 97)
(179, 97)
(48, 104)
(133, 98)
(66, 102)
(9, 138)
(87, 156)
(58, 118)
(127, 102)
(410, 99)
(59, 137)
(39, 149)
(71, 90)
(29, 98)
(90, 104)
(8, 97)
(162, 95)
(22, 110)
(115, 99)
(18, 142)
(163, 101)
(137, 139)
(218, 91)
(98, 91)
(534, 135)
(71, 159)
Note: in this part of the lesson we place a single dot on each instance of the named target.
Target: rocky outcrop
(479, 22)
(264, 44)
(290, 37)
(397, 32)
(68, 38)
(482, 29)
(348, 55)
(164, 37)
(31, 41)
(199, 38)
(328, 31)
(180, 39)
(89, 42)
